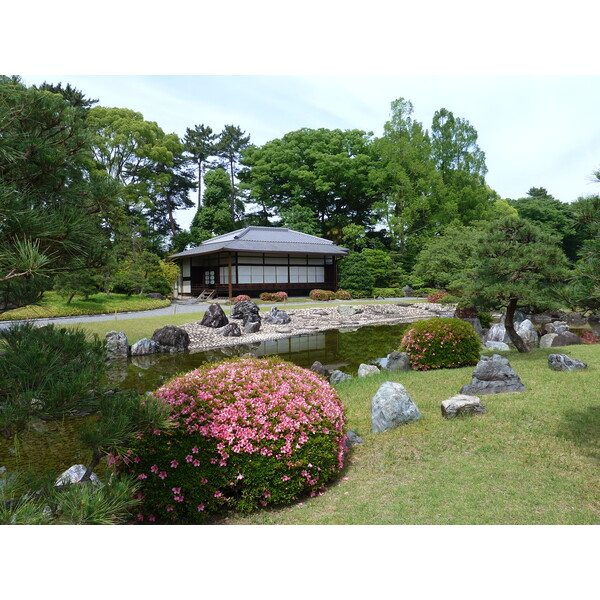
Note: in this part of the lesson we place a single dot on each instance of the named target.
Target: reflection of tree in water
(369, 343)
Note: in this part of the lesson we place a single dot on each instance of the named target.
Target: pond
(54, 446)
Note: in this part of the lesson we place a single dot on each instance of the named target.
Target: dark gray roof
(266, 239)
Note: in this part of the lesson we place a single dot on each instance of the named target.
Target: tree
(50, 206)
(356, 274)
(299, 218)
(200, 143)
(518, 265)
(324, 171)
(232, 142)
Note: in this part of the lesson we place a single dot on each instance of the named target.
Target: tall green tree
(324, 171)
(231, 144)
(201, 144)
(518, 265)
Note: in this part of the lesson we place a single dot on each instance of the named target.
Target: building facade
(259, 259)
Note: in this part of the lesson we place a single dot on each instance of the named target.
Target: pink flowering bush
(273, 296)
(441, 343)
(246, 433)
(343, 295)
(588, 337)
(241, 298)
(321, 295)
(437, 296)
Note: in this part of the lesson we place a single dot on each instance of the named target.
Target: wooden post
(230, 279)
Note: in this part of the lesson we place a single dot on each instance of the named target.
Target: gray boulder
(366, 370)
(347, 310)
(392, 406)
(155, 295)
(555, 327)
(277, 317)
(352, 439)
(214, 317)
(527, 332)
(243, 309)
(337, 376)
(566, 338)
(493, 375)
(546, 340)
(462, 404)
(497, 346)
(408, 291)
(318, 368)
(561, 362)
(73, 475)
(145, 346)
(172, 339)
(251, 324)
(397, 361)
(117, 345)
(475, 323)
(497, 333)
(231, 330)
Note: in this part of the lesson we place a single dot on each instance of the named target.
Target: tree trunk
(509, 323)
(199, 184)
(232, 206)
(96, 456)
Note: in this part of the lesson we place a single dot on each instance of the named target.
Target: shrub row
(325, 295)
(273, 296)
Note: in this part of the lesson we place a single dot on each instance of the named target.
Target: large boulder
(497, 346)
(347, 310)
(555, 327)
(366, 370)
(73, 475)
(497, 333)
(493, 375)
(462, 404)
(145, 346)
(214, 317)
(475, 323)
(251, 324)
(566, 338)
(243, 309)
(527, 332)
(172, 339)
(277, 317)
(117, 345)
(397, 361)
(318, 368)
(408, 291)
(547, 339)
(392, 406)
(561, 362)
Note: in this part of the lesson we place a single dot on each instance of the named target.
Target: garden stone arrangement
(493, 375)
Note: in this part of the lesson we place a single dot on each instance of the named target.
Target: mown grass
(531, 459)
(52, 305)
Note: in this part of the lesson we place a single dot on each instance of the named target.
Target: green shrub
(486, 319)
(247, 433)
(322, 295)
(343, 295)
(273, 296)
(388, 292)
(356, 273)
(358, 294)
(441, 343)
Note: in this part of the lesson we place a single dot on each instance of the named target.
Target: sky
(536, 131)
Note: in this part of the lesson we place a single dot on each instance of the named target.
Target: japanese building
(259, 259)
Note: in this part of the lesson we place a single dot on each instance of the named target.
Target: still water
(55, 446)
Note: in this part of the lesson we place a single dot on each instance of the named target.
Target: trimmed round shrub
(321, 295)
(273, 296)
(246, 433)
(241, 298)
(343, 295)
(440, 343)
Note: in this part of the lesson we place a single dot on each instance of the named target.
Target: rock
(284, 330)
(243, 309)
(397, 361)
(461, 405)
(475, 323)
(392, 406)
(555, 327)
(347, 310)
(561, 362)
(214, 317)
(366, 370)
(74, 475)
(318, 368)
(117, 345)
(252, 324)
(497, 346)
(171, 339)
(546, 340)
(493, 375)
(231, 330)
(277, 317)
(518, 318)
(338, 376)
(352, 439)
(566, 338)
(408, 291)
(155, 295)
(145, 346)
(527, 332)
(576, 319)
(497, 333)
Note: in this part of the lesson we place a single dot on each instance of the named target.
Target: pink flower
(152, 518)
(196, 463)
(154, 469)
(176, 491)
(195, 451)
(217, 494)
(162, 475)
(170, 508)
(174, 464)
(142, 476)
(189, 458)
(200, 507)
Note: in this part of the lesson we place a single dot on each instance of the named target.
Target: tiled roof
(266, 239)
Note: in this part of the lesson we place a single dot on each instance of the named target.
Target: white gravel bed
(313, 320)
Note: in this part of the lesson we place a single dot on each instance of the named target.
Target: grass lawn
(52, 305)
(532, 459)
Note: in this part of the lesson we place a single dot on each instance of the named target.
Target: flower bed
(247, 433)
